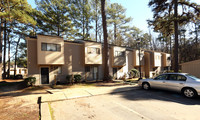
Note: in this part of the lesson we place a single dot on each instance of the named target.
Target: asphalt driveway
(130, 104)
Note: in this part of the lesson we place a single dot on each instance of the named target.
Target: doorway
(115, 73)
(95, 73)
(45, 75)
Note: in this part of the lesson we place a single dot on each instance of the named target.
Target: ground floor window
(92, 72)
(87, 69)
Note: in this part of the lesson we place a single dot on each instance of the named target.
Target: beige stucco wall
(33, 68)
(118, 61)
(154, 62)
(73, 60)
(124, 68)
(136, 62)
(50, 57)
(129, 60)
(165, 59)
(147, 64)
(92, 58)
(192, 68)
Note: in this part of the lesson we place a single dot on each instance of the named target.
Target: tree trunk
(8, 71)
(1, 34)
(4, 52)
(170, 48)
(176, 63)
(16, 51)
(58, 32)
(184, 49)
(83, 12)
(105, 48)
(96, 22)
(115, 36)
(196, 32)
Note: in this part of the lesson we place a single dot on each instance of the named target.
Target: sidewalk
(73, 93)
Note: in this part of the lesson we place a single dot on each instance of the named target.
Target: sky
(137, 9)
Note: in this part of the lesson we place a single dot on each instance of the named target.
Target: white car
(180, 82)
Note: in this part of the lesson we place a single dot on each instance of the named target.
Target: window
(177, 77)
(50, 47)
(172, 77)
(181, 78)
(44, 46)
(93, 50)
(161, 77)
(87, 69)
(192, 77)
(158, 57)
(168, 58)
(119, 54)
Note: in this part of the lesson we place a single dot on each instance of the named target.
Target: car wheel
(146, 86)
(189, 92)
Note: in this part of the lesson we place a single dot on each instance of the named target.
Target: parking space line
(131, 110)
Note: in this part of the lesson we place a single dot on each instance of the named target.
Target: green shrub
(77, 78)
(172, 71)
(11, 76)
(110, 78)
(134, 73)
(124, 77)
(68, 78)
(30, 81)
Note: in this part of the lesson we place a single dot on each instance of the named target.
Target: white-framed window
(93, 50)
(119, 53)
(158, 57)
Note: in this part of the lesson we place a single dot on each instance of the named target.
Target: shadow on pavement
(154, 94)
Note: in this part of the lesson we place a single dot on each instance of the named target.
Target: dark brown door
(45, 75)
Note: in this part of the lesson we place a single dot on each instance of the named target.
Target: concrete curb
(45, 112)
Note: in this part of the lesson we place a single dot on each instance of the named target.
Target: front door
(95, 73)
(45, 75)
(115, 73)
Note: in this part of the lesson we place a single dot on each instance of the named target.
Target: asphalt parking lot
(134, 104)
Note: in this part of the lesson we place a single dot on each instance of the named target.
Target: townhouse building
(52, 58)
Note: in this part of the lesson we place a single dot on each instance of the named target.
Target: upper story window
(158, 57)
(93, 50)
(119, 53)
(169, 58)
(51, 47)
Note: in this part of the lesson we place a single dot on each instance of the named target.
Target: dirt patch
(17, 109)
(21, 104)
